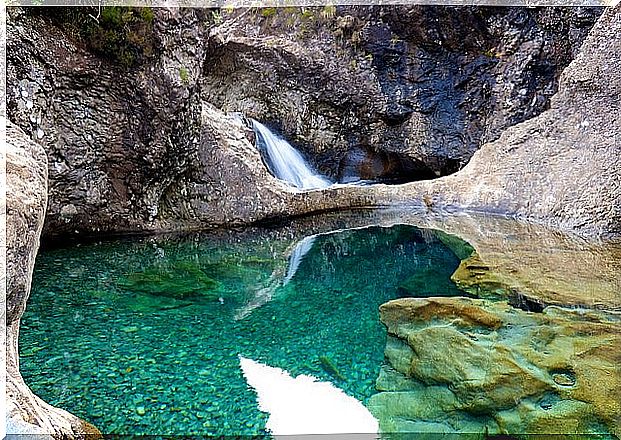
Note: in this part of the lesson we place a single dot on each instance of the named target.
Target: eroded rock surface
(560, 167)
(116, 138)
(465, 365)
(25, 203)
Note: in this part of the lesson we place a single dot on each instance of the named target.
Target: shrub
(122, 34)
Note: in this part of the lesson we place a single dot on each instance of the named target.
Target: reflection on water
(143, 336)
(304, 405)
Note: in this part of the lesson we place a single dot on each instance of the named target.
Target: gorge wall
(137, 137)
(25, 207)
(419, 88)
(559, 167)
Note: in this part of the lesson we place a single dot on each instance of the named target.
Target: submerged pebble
(184, 361)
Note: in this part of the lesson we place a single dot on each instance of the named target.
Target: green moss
(329, 11)
(268, 12)
(462, 249)
(184, 76)
(124, 35)
(307, 14)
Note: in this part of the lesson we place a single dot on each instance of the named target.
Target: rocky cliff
(408, 91)
(560, 167)
(25, 207)
(143, 142)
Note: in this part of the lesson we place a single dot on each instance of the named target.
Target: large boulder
(25, 207)
(465, 365)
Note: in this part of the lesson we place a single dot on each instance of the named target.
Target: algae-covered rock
(468, 363)
(177, 279)
(462, 249)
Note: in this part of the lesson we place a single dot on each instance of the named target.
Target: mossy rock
(122, 34)
(462, 249)
(178, 280)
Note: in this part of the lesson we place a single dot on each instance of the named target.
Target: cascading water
(285, 162)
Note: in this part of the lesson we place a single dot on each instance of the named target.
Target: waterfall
(285, 162)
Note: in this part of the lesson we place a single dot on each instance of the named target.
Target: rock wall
(130, 148)
(25, 206)
(562, 166)
(116, 137)
(134, 148)
(427, 84)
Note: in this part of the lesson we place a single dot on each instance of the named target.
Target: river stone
(500, 366)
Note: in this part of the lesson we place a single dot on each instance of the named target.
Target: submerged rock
(461, 363)
(182, 280)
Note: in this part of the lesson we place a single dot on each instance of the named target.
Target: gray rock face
(560, 167)
(115, 137)
(136, 149)
(25, 207)
(426, 84)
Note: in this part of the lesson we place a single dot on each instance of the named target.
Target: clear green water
(142, 336)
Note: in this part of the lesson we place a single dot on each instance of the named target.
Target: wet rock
(177, 279)
(361, 163)
(460, 363)
(25, 207)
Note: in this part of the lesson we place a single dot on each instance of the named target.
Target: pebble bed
(146, 361)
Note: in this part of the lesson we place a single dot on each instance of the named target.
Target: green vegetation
(184, 75)
(217, 17)
(268, 12)
(329, 11)
(124, 35)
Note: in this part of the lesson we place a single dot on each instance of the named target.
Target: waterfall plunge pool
(143, 336)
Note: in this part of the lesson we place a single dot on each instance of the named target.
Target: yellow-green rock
(470, 364)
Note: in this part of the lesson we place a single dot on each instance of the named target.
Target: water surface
(142, 336)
